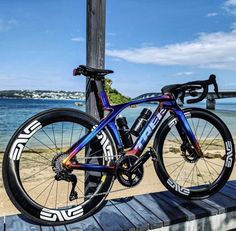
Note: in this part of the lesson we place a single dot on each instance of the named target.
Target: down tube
(148, 131)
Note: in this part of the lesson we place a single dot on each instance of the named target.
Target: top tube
(107, 106)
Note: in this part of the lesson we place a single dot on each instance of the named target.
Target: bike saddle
(90, 71)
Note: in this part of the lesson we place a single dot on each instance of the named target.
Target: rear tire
(189, 176)
(33, 156)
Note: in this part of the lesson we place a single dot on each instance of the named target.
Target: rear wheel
(185, 173)
(33, 159)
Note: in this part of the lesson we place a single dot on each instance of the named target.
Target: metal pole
(95, 56)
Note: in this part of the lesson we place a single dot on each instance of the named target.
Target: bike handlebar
(196, 85)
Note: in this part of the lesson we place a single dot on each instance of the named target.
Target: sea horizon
(13, 112)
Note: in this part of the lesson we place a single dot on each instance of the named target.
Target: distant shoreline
(41, 94)
(74, 99)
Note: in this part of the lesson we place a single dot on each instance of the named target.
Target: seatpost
(93, 89)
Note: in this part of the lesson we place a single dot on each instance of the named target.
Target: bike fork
(185, 131)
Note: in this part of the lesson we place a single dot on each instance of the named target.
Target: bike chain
(114, 191)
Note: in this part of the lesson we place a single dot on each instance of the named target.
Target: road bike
(60, 165)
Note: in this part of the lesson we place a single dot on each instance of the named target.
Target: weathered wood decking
(155, 211)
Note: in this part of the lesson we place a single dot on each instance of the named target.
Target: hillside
(115, 97)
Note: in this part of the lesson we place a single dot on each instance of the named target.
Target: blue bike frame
(167, 102)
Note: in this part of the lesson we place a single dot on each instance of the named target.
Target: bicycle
(193, 153)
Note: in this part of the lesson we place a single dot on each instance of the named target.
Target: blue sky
(149, 43)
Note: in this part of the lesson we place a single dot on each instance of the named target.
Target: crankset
(123, 174)
(129, 168)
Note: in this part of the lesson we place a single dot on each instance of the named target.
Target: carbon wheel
(183, 172)
(33, 159)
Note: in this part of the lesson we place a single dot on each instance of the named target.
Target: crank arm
(141, 161)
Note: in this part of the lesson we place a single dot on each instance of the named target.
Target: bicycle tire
(14, 170)
(208, 173)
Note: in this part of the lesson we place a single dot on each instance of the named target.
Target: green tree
(115, 97)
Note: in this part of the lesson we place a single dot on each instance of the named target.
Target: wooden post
(95, 56)
(211, 103)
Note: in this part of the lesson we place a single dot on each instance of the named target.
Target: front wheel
(33, 174)
(185, 173)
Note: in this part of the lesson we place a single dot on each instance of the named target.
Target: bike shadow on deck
(148, 212)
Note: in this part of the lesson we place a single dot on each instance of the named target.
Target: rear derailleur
(69, 177)
(64, 174)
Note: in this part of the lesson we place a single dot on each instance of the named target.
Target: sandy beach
(150, 182)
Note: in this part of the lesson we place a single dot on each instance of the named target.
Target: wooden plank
(1, 223)
(18, 222)
(111, 219)
(47, 228)
(131, 215)
(60, 228)
(222, 202)
(232, 184)
(177, 206)
(192, 209)
(88, 224)
(228, 191)
(153, 221)
(197, 207)
(162, 210)
(54, 228)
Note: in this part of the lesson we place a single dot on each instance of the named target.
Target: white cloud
(214, 50)
(212, 14)
(7, 25)
(187, 73)
(111, 34)
(78, 39)
(108, 44)
(230, 6)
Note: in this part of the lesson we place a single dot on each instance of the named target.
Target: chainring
(123, 175)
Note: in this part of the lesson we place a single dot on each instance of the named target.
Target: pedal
(153, 154)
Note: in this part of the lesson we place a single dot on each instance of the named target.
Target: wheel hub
(56, 163)
(189, 154)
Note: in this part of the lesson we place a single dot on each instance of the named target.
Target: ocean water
(13, 112)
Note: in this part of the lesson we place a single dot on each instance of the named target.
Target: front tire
(189, 176)
(33, 157)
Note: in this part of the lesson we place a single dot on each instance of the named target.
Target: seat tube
(104, 100)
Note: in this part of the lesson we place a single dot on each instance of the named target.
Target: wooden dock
(154, 211)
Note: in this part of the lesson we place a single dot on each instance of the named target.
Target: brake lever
(182, 96)
(212, 80)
